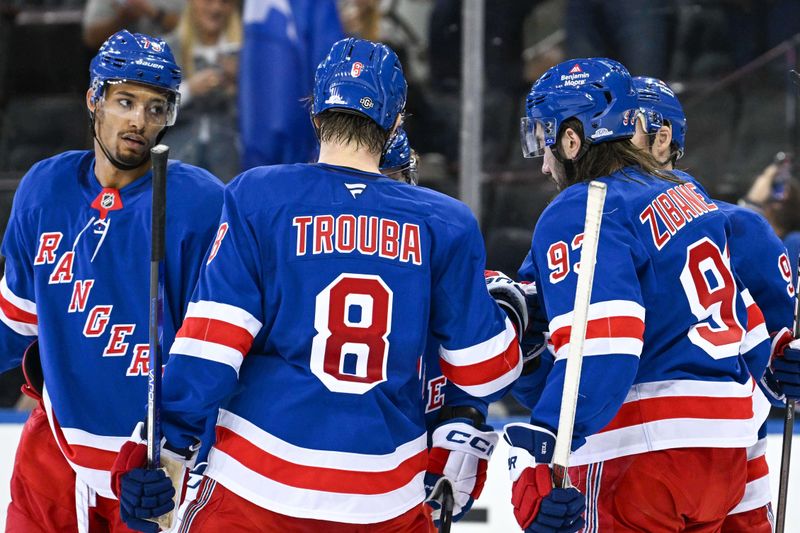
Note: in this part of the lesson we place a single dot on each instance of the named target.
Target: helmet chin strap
(113, 160)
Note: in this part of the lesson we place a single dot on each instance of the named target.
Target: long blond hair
(187, 36)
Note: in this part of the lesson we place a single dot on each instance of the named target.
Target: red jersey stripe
(670, 407)
(754, 317)
(485, 371)
(599, 328)
(757, 468)
(318, 478)
(15, 313)
(218, 332)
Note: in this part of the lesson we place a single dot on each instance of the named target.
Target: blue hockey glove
(785, 365)
(538, 507)
(144, 493)
(534, 341)
(460, 452)
(510, 296)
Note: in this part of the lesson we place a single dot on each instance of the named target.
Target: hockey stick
(159, 155)
(583, 293)
(788, 418)
(443, 494)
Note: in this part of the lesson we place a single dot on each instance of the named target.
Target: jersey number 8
(353, 321)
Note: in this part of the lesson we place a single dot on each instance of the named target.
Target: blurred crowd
(248, 67)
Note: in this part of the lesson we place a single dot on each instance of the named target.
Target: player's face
(211, 16)
(128, 119)
(553, 168)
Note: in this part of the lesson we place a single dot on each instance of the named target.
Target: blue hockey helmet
(136, 58)
(596, 91)
(361, 77)
(399, 158)
(656, 95)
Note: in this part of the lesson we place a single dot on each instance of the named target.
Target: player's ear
(89, 104)
(662, 141)
(570, 143)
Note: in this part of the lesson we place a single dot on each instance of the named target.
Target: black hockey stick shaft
(159, 155)
(788, 418)
(788, 431)
(447, 508)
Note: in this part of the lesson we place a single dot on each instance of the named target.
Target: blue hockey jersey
(312, 314)
(662, 365)
(77, 277)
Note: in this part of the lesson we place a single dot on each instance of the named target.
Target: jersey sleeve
(17, 293)
(222, 319)
(479, 351)
(615, 329)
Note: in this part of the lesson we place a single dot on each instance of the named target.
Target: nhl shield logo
(356, 69)
(366, 102)
(107, 201)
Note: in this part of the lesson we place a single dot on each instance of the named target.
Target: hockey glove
(144, 495)
(32, 369)
(460, 452)
(538, 507)
(785, 366)
(510, 296)
(534, 340)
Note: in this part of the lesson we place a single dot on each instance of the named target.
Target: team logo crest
(366, 102)
(575, 69)
(356, 69)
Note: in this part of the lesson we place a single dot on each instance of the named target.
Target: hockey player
(311, 313)
(445, 404)
(665, 411)
(76, 284)
(760, 260)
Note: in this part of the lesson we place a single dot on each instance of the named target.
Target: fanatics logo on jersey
(356, 188)
(356, 69)
(366, 102)
(575, 69)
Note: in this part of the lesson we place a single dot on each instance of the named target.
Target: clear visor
(535, 135)
(158, 110)
(651, 121)
(408, 173)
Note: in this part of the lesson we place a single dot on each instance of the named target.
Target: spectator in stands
(101, 18)
(207, 43)
(776, 194)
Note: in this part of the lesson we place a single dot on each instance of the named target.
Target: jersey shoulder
(194, 191)
(49, 177)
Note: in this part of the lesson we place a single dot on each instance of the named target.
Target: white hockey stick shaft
(583, 293)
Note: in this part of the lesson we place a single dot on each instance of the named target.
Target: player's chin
(132, 157)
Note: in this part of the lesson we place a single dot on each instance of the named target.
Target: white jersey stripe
(482, 351)
(225, 313)
(609, 308)
(26, 305)
(606, 346)
(314, 504)
(356, 462)
(209, 351)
